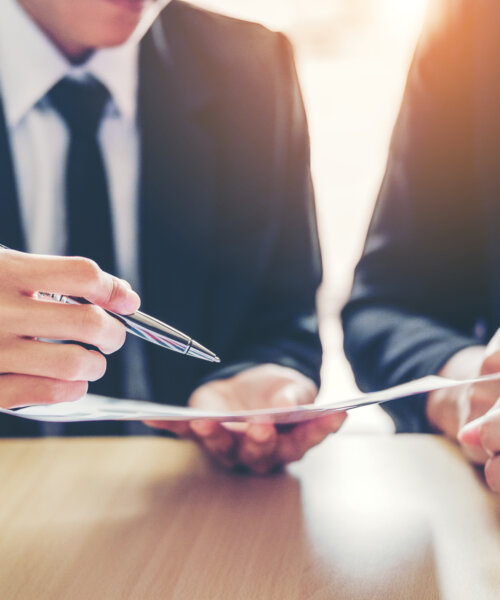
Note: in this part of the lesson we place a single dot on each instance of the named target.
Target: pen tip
(199, 351)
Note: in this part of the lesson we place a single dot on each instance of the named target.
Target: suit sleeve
(419, 286)
(282, 324)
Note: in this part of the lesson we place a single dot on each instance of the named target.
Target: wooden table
(375, 517)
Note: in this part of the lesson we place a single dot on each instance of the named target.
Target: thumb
(469, 435)
(292, 394)
(470, 439)
(210, 396)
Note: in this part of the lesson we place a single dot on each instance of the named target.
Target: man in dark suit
(426, 294)
(190, 150)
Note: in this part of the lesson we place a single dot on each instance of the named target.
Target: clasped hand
(479, 416)
(259, 448)
(484, 434)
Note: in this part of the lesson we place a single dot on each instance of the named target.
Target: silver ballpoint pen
(148, 328)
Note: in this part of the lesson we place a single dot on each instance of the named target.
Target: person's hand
(260, 448)
(38, 371)
(484, 434)
(450, 410)
(477, 399)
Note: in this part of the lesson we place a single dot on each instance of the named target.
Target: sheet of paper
(99, 408)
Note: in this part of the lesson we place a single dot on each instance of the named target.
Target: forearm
(388, 345)
(297, 348)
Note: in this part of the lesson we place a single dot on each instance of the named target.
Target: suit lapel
(177, 175)
(11, 233)
(178, 167)
(487, 143)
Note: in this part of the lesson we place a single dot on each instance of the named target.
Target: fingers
(257, 447)
(489, 432)
(483, 432)
(481, 441)
(21, 390)
(220, 443)
(319, 429)
(294, 444)
(263, 450)
(250, 447)
(73, 276)
(51, 370)
(67, 362)
(491, 363)
(492, 473)
(85, 323)
(475, 455)
(294, 394)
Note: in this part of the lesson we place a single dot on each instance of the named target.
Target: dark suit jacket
(228, 243)
(428, 283)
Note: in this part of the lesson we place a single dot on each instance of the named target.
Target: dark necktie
(81, 105)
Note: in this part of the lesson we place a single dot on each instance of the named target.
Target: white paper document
(99, 408)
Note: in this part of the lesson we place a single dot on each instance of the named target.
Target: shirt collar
(117, 69)
(30, 65)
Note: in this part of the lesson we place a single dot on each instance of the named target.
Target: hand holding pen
(30, 368)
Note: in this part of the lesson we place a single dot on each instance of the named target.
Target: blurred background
(352, 58)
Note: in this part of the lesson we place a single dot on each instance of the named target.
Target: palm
(261, 387)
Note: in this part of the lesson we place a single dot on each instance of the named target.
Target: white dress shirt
(30, 65)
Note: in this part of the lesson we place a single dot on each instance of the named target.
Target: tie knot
(80, 103)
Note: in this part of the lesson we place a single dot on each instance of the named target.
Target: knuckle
(121, 335)
(73, 363)
(55, 392)
(96, 365)
(78, 390)
(62, 391)
(101, 365)
(116, 337)
(10, 315)
(115, 290)
(93, 320)
(88, 270)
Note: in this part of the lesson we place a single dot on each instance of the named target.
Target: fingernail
(469, 434)
(126, 284)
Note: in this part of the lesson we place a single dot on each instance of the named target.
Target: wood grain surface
(375, 517)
